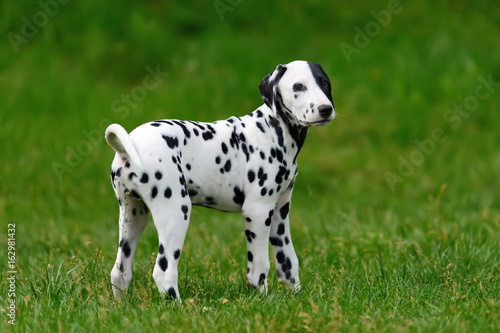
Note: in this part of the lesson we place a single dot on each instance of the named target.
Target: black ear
(268, 85)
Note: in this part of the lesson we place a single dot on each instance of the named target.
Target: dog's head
(302, 91)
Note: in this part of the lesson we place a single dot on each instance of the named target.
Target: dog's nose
(325, 111)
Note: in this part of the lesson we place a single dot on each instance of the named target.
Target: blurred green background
(69, 69)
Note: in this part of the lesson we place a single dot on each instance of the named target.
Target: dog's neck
(296, 131)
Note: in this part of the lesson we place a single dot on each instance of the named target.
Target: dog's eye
(324, 84)
(298, 87)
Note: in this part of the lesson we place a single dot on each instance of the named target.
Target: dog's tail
(118, 138)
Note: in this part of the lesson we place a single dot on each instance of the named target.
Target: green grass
(422, 255)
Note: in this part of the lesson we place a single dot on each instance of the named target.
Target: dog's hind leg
(171, 217)
(132, 221)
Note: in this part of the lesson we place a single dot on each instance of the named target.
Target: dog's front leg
(287, 263)
(258, 218)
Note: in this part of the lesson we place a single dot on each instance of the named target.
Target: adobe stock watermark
(372, 29)
(31, 26)
(222, 6)
(11, 307)
(122, 107)
(453, 117)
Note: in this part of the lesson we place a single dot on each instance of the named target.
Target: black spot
(279, 131)
(132, 175)
(224, 148)
(263, 191)
(134, 211)
(154, 192)
(250, 256)
(217, 160)
(288, 264)
(171, 142)
(188, 166)
(269, 219)
(280, 256)
(251, 176)
(126, 248)
(168, 193)
(160, 249)
(262, 177)
(155, 124)
(262, 278)
(119, 172)
(227, 166)
(121, 267)
(287, 241)
(234, 142)
(250, 235)
(262, 155)
(182, 180)
(281, 229)
(245, 151)
(279, 155)
(158, 175)
(192, 193)
(248, 219)
(127, 165)
(282, 173)
(177, 254)
(144, 178)
(184, 128)
(239, 196)
(171, 293)
(275, 241)
(134, 194)
(163, 263)
(261, 128)
(284, 210)
(211, 129)
(207, 136)
(185, 210)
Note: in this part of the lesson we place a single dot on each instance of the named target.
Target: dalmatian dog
(243, 164)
